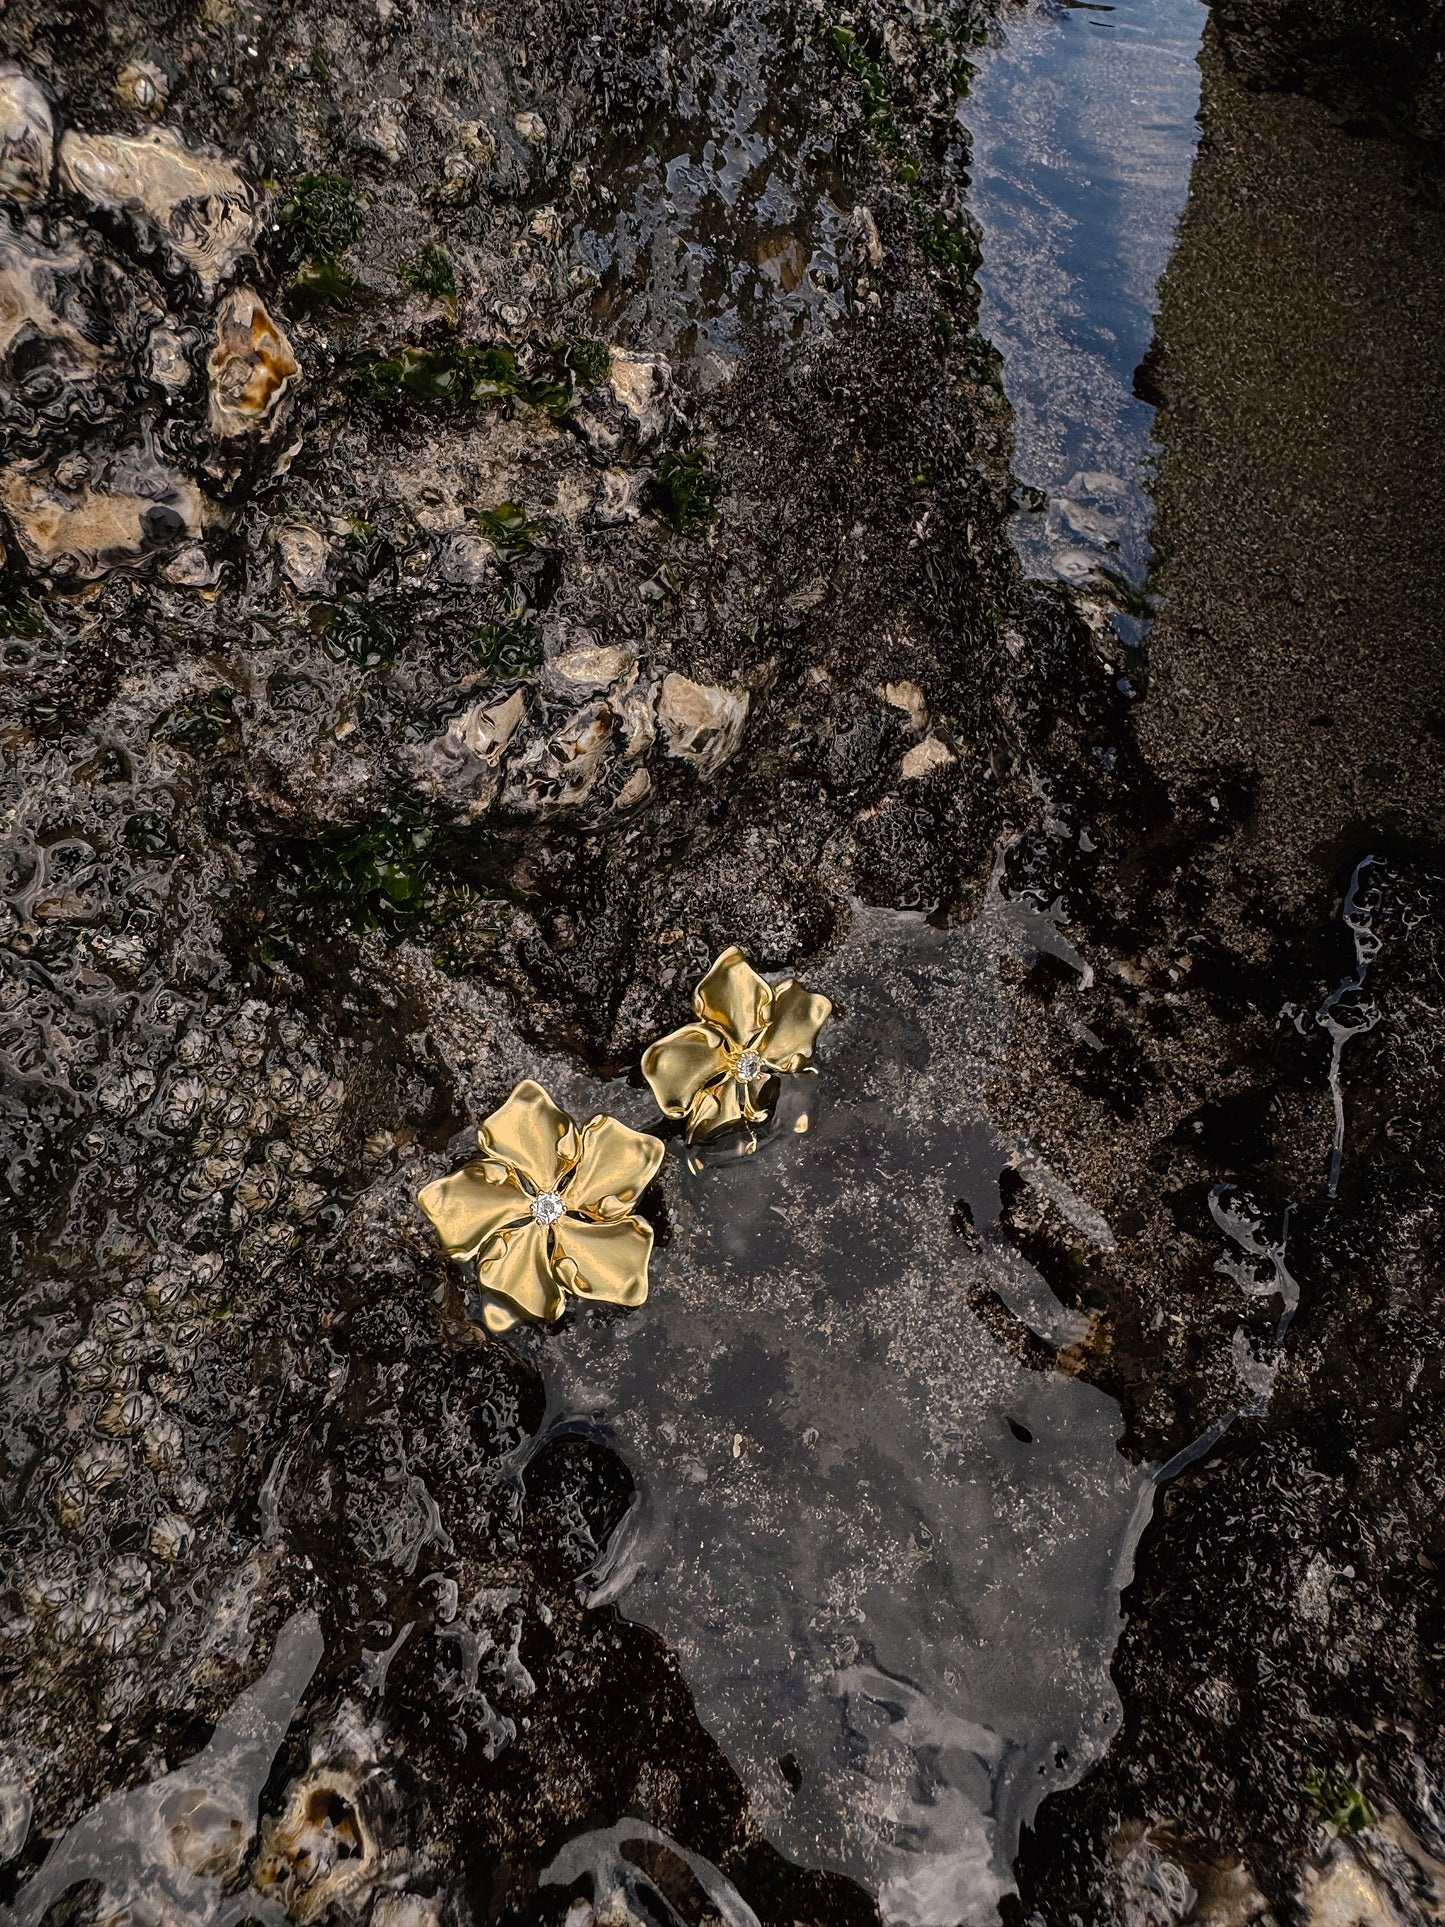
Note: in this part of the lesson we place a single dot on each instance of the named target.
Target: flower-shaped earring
(546, 1210)
(715, 1072)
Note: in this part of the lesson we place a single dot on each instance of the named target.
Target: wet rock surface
(495, 509)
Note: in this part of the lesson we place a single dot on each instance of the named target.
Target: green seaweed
(508, 529)
(19, 616)
(358, 632)
(685, 491)
(203, 727)
(589, 361)
(463, 372)
(1345, 1807)
(510, 646)
(877, 108)
(322, 216)
(321, 285)
(946, 245)
(358, 876)
(429, 271)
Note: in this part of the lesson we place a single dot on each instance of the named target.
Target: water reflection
(1083, 126)
(887, 1552)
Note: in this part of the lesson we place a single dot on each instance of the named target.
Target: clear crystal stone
(750, 1065)
(547, 1207)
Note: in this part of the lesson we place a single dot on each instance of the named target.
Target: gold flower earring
(715, 1072)
(546, 1210)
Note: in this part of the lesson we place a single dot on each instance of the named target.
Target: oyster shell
(250, 368)
(38, 288)
(701, 722)
(194, 204)
(462, 763)
(27, 138)
(924, 758)
(305, 558)
(588, 669)
(632, 412)
(562, 770)
(130, 508)
(320, 1852)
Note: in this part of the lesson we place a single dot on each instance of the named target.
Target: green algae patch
(509, 529)
(877, 107)
(589, 361)
(358, 877)
(203, 728)
(429, 271)
(510, 646)
(322, 216)
(359, 632)
(19, 616)
(321, 286)
(685, 491)
(1345, 1807)
(461, 373)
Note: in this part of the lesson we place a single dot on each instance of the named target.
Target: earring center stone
(547, 1207)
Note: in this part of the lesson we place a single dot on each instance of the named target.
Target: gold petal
(605, 1261)
(531, 1135)
(734, 997)
(497, 1314)
(468, 1209)
(715, 1109)
(614, 1168)
(751, 1093)
(517, 1268)
(678, 1065)
(797, 1017)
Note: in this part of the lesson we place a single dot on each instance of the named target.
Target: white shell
(701, 722)
(195, 204)
(305, 558)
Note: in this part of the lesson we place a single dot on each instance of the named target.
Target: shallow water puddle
(887, 1553)
(171, 1849)
(1083, 127)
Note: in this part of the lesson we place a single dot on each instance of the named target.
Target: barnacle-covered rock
(250, 368)
(27, 138)
(701, 723)
(127, 507)
(191, 203)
